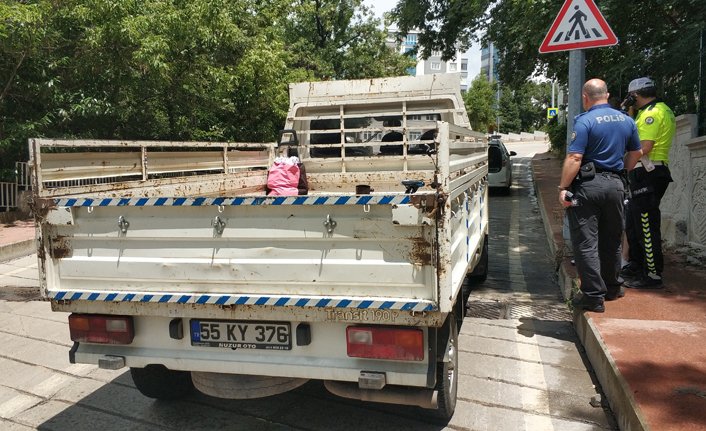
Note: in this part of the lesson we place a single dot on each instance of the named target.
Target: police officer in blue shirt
(593, 173)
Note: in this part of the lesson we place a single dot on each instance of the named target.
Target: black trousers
(596, 225)
(643, 219)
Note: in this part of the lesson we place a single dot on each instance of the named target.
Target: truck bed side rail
(147, 168)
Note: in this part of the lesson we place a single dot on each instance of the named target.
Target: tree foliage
(340, 39)
(510, 121)
(525, 108)
(657, 38)
(173, 69)
(481, 103)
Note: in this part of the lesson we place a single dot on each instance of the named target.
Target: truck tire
(446, 373)
(241, 386)
(159, 382)
(480, 272)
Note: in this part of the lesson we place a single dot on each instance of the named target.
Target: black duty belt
(607, 171)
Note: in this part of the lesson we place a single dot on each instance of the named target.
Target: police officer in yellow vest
(648, 183)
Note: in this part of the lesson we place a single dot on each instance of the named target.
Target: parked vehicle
(178, 265)
(499, 164)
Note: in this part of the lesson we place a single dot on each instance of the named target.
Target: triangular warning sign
(579, 25)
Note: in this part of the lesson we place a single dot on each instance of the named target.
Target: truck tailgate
(336, 251)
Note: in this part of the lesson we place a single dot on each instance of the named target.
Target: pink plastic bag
(283, 178)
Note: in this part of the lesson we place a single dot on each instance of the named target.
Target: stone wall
(684, 205)
(697, 202)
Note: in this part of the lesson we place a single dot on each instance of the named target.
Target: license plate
(241, 335)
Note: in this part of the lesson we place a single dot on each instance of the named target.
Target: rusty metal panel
(104, 167)
(262, 250)
(66, 166)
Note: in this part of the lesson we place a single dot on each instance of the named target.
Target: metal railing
(22, 175)
(9, 192)
(8, 196)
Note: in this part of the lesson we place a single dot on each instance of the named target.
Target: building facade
(434, 64)
(489, 62)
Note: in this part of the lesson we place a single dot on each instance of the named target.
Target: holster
(587, 172)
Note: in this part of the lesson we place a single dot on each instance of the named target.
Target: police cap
(639, 84)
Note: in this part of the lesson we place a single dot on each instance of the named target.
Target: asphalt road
(521, 365)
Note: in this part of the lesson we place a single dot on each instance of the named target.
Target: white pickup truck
(174, 261)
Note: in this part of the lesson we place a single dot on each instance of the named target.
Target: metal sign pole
(577, 76)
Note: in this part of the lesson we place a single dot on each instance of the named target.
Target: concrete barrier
(13, 216)
(17, 249)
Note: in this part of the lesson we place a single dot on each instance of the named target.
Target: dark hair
(614, 102)
(647, 92)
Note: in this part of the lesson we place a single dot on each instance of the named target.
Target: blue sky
(473, 54)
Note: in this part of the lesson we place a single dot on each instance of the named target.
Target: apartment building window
(414, 117)
(411, 39)
(413, 136)
(436, 53)
(464, 66)
(452, 67)
(433, 117)
(435, 65)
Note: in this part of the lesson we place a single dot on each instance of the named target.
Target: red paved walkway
(16, 231)
(657, 338)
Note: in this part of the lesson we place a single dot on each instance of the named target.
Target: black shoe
(615, 295)
(630, 271)
(589, 304)
(645, 282)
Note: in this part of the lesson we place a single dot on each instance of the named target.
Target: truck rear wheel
(159, 382)
(446, 373)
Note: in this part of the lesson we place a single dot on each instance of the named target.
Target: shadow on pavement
(119, 406)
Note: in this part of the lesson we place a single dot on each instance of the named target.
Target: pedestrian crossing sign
(551, 113)
(579, 25)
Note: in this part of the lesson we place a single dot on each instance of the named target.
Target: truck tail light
(504, 163)
(95, 328)
(385, 343)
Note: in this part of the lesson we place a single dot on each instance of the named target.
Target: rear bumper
(325, 358)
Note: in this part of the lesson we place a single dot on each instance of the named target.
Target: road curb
(615, 387)
(565, 282)
(17, 249)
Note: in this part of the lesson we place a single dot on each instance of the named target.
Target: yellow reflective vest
(655, 122)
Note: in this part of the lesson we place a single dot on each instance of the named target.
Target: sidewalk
(17, 239)
(649, 348)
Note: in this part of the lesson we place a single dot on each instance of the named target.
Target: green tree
(533, 99)
(341, 39)
(663, 45)
(509, 112)
(172, 69)
(480, 103)
(27, 76)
